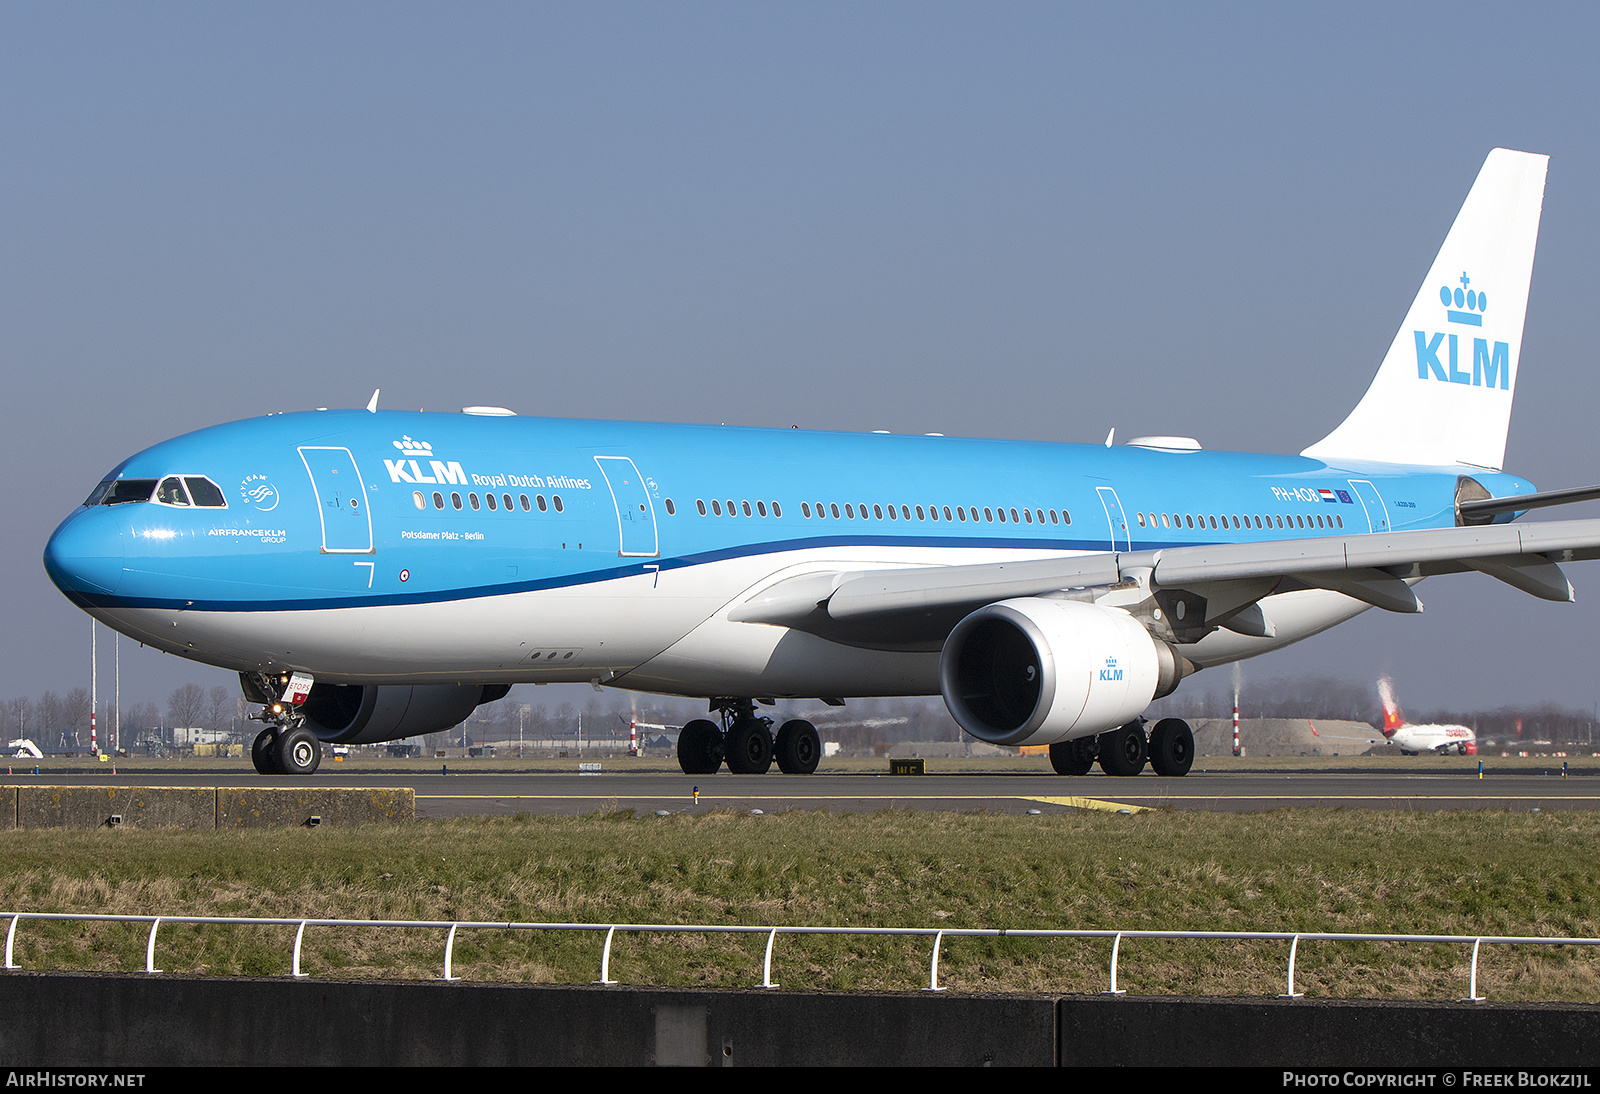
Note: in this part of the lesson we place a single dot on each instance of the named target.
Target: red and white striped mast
(1238, 749)
(94, 688)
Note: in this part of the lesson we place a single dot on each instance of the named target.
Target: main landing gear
(746, 743)
(1124, 751)
(285, 746)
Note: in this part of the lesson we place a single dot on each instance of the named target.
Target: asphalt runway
(504, 794)
(439, 796)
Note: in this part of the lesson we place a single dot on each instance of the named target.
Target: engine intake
(1037, 671)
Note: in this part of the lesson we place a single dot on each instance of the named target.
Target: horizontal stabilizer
(1521, 503)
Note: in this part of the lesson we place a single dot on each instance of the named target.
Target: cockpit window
(99, 492)
(171, 492)
(206, 494)
(126, 490)
(184, 490)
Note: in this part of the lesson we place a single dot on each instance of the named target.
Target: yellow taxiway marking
(1486, 798)
(1074, 802)
(1090, 803)
(1077, 802)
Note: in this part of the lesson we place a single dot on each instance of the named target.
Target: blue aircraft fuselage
(562, 525)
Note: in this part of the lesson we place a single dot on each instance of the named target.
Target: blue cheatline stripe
(587, 577)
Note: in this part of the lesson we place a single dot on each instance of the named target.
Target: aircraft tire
(1172, 747)
(298, 752)
(748, 747)
(1123, 751)
(1074, 757)
(264, 754)
(700, 747)
(798, 749)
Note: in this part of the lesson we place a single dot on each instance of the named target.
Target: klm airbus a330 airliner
(374, 575)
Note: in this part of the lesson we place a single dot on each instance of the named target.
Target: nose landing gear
(285, 746)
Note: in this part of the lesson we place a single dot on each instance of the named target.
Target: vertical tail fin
(1443, 393)
(1392, 718)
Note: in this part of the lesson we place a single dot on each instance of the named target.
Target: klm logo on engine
(1111, 672)
(410, 470)
(1439, 356)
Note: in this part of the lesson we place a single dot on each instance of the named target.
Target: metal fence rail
(937, 934)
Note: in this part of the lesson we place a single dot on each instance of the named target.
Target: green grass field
(1308, 870)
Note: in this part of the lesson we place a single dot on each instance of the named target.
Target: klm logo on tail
(1490, 368)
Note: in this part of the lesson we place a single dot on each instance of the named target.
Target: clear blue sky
(1012, 220)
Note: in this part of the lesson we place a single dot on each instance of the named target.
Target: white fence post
(1116, 946)
(933, 966)
(1472, 982)
(294, 968)
(605, 959)
(449, 948)
(150, 948)
(766, 964)
(11, 934)
(1289, 992)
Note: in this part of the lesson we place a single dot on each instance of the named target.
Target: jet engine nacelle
(1037, 671)
(367, 713)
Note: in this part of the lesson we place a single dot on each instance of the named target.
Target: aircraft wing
(915, 607)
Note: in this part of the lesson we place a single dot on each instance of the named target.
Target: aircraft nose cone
(85, 555)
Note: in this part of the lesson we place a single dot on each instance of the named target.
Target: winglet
(372, 403)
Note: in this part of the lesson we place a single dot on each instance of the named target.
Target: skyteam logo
(409, 467)
(1111, 672)
(256, 490)
(1491, 367)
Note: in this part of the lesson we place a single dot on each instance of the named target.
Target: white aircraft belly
(608, 628)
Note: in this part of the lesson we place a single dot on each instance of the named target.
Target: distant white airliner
(1414, 740)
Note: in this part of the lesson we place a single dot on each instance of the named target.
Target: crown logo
(1473, 301)
(417, 449)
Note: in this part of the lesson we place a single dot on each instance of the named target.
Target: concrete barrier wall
(1326, 1033)
(148, 1021)
(200, 807)
(135, 1021)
